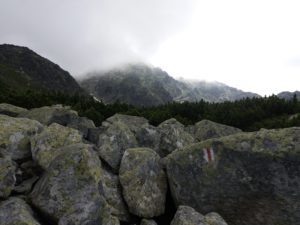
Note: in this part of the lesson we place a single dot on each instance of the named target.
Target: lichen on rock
(11, 110)
(48, 144)
(15, 134)
(250, 172)
(173, 136)
(15, 211)
(68, 191)
(144, 182)
(113, 142)
(7, 176)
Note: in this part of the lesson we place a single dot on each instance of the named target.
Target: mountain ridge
(147, 81)
(23, 69)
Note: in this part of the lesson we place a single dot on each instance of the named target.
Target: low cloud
(96, 34)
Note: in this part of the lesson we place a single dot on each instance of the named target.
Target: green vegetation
(246, 114)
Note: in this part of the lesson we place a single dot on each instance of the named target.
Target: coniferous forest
(246, 114)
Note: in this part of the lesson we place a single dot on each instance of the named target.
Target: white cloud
(246, 44)
(253, 45)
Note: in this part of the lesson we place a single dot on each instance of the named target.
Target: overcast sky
(252, 45)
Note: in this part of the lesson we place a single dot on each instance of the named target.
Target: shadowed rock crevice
(170, 210)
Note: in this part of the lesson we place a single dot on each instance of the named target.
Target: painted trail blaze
(208, 154)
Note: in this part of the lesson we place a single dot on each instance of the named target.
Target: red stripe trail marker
(208, 154)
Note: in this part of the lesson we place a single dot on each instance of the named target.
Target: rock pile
(58, 168)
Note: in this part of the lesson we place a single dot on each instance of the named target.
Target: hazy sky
(253, 45)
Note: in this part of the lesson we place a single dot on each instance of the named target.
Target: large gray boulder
(173, 136)
(206, 129)
(110, 220)
(11, 110)
(113, 142)
(121, 132)
(186, 215)
(144, 182)
(250, 178)
(68, 191)
(46, 146)
(7, 176)
(51, 114)
(62, 115)
(134, 123)
(82, 124)
(15, 211)
(145, 134)
(15, 134)
(110, 189)
(214, 218)
(149, 136)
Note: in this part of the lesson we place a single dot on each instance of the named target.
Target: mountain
(133, 84)
(289, 95)
(143, 85)
(215, 92)
(22, 69)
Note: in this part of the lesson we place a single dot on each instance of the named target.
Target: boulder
(173, 136)
(148, 222)
(62, 115)
(113, 142)
(46, 146)
(110, 220)
(7, 176)
(94, 134)
(145, 134)
(206, 129)
(214, 218)
(250, 178)
(149, 136)
(11, 110)
(51, 114)
(186, 215)
(144, 182)
(82, 124)
(15, 134)
(15, 211)
(110, 189)
(68, 191)
(134, 123)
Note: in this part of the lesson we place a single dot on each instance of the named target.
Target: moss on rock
(48, 144)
